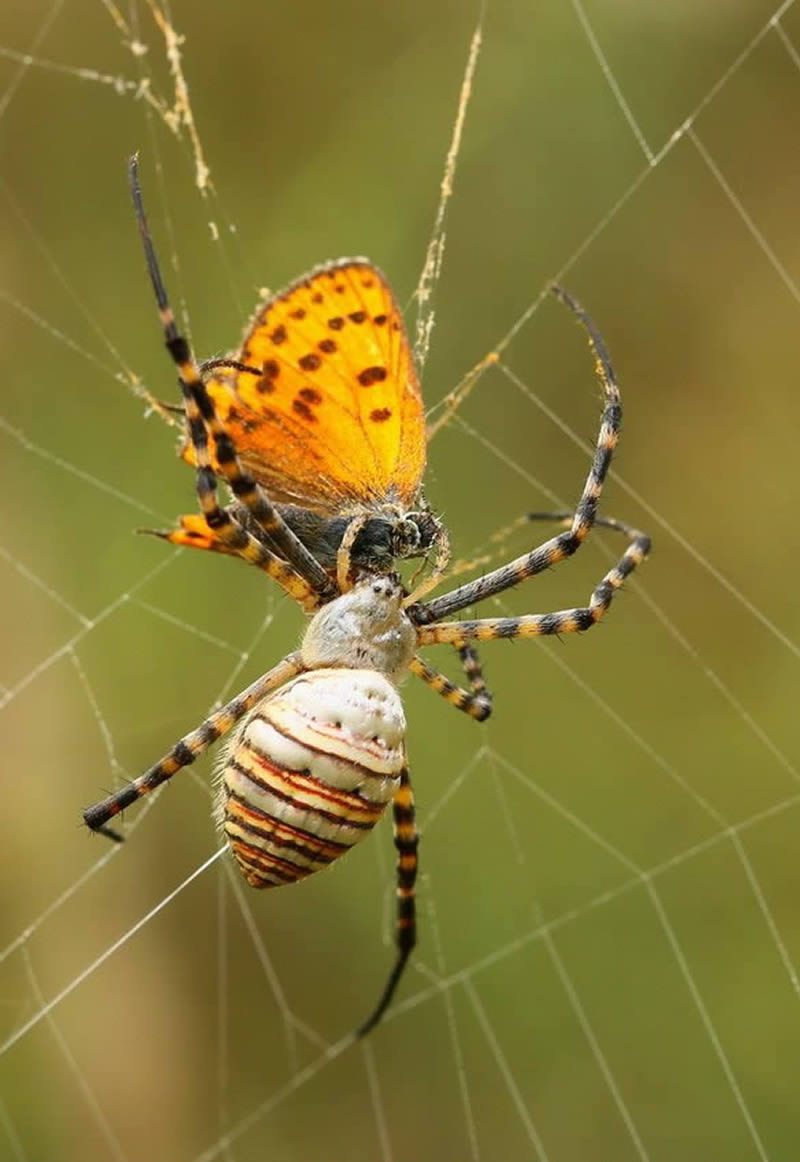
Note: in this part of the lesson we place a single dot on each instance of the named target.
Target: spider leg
(406, 840)
(474, 671)
(219, 531)
(226, 529)
(564, 544)
(538, 624)
(192, 532)
(190, 747)
(477, 701)
(201, 414)
(248, 493)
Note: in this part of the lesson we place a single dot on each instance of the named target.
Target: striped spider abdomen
(310, 773)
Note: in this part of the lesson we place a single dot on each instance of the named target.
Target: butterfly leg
(477, 701)
(343, 558)
(201, 415)
(406, 840)
(190, 747)
(440, 566)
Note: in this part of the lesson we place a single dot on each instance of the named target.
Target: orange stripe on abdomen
(289, 807)
(327, 800)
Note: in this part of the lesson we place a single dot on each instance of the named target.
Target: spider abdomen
(311, 772)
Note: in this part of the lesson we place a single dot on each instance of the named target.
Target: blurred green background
(610, 864)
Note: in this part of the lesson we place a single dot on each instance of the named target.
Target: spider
(319, 750)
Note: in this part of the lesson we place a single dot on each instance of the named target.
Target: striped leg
(406, 840)
(566, 543)
(190, 747)
(226, 529)
(252, 497)
(538, 624)
(201, 416)
(477, 701)
(474, 671)
(217, 529)
(193, 532)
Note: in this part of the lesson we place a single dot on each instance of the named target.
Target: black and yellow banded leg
(201, 418)
(477, 702)
(472, 667)
(566, 543)
(248, 493)
(190, 747)
(248, 549)
(232, 538)
(225, 527)
(406, 840)
(224, 533)
(540, 624)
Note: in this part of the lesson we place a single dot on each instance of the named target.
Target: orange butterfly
(323, 406)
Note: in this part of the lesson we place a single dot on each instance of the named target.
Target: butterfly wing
(331, 416)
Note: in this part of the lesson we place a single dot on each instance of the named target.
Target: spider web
(609, 934)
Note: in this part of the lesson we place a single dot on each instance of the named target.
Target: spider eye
(385, 586)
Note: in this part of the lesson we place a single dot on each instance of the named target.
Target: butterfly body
(387, 535)
(323, 405)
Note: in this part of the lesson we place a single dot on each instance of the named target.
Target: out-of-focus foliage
(325, 128)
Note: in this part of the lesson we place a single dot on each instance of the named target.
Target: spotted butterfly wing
(328, 414)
